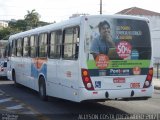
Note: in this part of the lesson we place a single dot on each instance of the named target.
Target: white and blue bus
(65, 60)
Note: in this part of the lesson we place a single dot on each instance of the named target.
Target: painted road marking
(21, 107)
(28, 112)
(1, 91)
(5, 100)
(17, 107)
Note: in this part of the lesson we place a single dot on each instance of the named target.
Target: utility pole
(100, 6)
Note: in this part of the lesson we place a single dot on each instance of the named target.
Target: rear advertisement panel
(118, 47)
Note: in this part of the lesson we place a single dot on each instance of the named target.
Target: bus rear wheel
(42, 89)
(14, 79)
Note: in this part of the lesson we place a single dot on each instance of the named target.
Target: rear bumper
(118, 94)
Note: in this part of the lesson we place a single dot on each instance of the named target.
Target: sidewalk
(156, 83)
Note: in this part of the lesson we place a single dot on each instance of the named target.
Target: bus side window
(14, 47)
(19, 47)
(33, 46)
(76, 34)
(70, 43)
(42, 51)
(55, 44)
(6, 49)
(26, 47)
(9, 49)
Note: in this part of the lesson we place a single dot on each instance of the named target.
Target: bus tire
(42, 89)
(14, 78)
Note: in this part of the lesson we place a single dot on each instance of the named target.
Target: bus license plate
(135, 85)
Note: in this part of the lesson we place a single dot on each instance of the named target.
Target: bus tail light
(2, 69)
(87, 80)
(148, 80)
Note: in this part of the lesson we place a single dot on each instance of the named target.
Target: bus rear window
(5, 64)
(119, 39)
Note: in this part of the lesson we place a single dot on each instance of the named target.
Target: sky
(59, 10)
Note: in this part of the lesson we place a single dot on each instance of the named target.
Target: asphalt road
(27, 102)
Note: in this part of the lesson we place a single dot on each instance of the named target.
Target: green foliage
(31, 20)
(19, 25)
(4, 33)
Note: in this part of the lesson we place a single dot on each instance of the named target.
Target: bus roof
(72, 21)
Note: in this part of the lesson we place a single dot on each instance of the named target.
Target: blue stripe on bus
(36, 72)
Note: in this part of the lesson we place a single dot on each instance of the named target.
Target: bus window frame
(59, 55)
(24, 47)
(73, 57)
(14, 48)
(36, 45)
(19, 50)
(46, 45)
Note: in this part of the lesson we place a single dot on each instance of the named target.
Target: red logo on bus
(124, 49)
(102, 61)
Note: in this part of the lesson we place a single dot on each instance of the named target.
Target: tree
(42, 23)
(31, 21)
(19, 25)
(32, 18)
(4, 33)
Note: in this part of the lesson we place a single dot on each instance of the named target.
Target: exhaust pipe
(132, 93)
(107, 94)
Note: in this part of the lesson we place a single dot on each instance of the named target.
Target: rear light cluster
(148, 80)
(1, 69)
(87, 80)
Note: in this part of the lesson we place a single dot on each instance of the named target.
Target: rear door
(67, 68)
(52, 63)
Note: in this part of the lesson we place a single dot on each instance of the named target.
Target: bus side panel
(18, 67)
(38, 68)
(27, 73)
(67, 74)
(9, 70)
(53, 83)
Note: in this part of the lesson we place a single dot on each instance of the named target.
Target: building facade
(3, 24)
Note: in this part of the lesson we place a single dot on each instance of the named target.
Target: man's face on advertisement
(105, 31)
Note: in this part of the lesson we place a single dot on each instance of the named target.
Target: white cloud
(57, 10)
